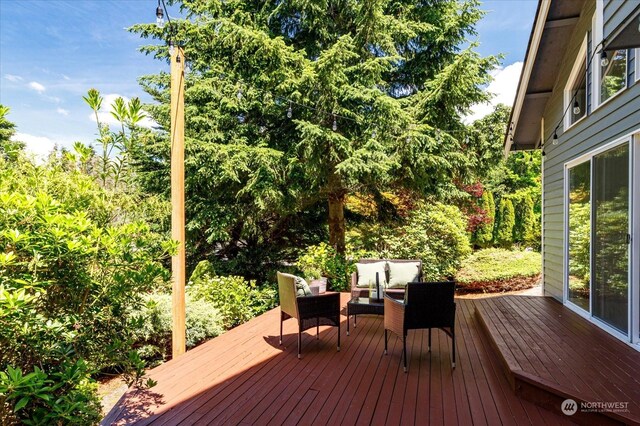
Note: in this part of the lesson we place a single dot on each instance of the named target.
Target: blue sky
(52, 52)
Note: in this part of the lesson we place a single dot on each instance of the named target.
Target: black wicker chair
(310, 311)
(426, 305)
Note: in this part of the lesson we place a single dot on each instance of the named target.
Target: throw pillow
(302, 288)
(401, 273)
(367, 273)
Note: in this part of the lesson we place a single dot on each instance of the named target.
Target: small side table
(361, 306)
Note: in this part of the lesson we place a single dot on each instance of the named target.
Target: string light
(576, 107)
(604, 61)
(159, 16)
(334, 127)
(290, 111)
(555, 137)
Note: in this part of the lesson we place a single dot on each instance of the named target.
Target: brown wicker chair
(426, 305)
(364, 292)
(310, 311)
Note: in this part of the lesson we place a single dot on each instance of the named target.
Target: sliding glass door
(598, 236)
(610, 230)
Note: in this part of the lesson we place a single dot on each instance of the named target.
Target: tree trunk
(336, 222)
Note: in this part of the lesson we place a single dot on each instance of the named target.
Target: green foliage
(63, 396)
(9, 150)
(259, 180)
(153, 337)
(505, 221)
(498, 264)
(526, 229)
(483, 236)
(236, 299)
(323, 260)
(434, 233)
(72, 263)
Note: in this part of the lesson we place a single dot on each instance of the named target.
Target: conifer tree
(300, 102)
(484, 232)
(504, 227)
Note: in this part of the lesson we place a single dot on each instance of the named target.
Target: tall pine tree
(300, 102)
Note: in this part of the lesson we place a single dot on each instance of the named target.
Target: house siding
(616, 118)
(614, 13)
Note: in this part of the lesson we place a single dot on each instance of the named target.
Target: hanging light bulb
(289, 111)
(576, 108)
(555, 137)
(159, 16)
(604, 61)
(171, 49)
(334, 127)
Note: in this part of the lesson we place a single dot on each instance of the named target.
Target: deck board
(553, 354)
(245, 377)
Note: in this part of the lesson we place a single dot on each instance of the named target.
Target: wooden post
(178, 268)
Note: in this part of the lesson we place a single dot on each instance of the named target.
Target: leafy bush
(153, 337)
(236, 299)
(71, 265)
(323, 260)
(434, 233)
(485, 267)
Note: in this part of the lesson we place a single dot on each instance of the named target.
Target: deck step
(550, 354)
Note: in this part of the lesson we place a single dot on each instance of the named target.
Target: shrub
(323, 260)
(483, 235)
(524, 230)
(153, 337)
(434, 233)
(493, 268)
(236, 299)
(505, 223)
(71, 266)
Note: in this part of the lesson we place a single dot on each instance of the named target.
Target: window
(575, 93)
(613, 74)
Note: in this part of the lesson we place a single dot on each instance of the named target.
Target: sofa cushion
(367, 273)
(302, 288)
(401, 273)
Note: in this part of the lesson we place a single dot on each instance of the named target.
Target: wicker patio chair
(426, 305)
(310, 311)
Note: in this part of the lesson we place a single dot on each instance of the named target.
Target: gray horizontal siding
(615, 12)
(616, 118)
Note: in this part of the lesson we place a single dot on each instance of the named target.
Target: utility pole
(178, 267)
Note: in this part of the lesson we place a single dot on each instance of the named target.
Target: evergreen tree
(9, 149)
(375, 92)
(524, 229)
(484, 233)
(504, 227)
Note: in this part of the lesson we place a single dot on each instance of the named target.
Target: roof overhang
(627, 35)
(552, 29)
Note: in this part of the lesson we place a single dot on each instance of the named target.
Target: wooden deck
(551, 354)
(245, 377)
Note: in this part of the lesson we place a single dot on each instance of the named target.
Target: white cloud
(37, 87)
(13, 78)
(66, 77)
(105, 117)
(503, 87)
(62, 111)
(40, 146)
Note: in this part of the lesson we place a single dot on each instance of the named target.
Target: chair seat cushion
(367, 273)
(302, 288)
(401, 273)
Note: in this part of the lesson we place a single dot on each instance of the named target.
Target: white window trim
(637, 62)
(577, 72)
(596, 39)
